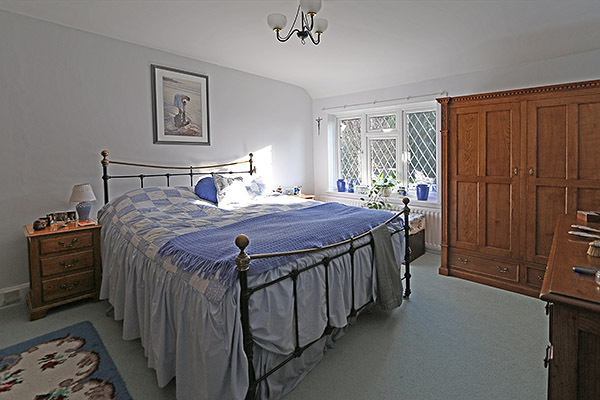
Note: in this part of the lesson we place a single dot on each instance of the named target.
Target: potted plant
(381, 188)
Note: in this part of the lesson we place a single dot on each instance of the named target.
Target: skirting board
(13, 295)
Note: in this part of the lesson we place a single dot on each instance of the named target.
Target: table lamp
(83, 195)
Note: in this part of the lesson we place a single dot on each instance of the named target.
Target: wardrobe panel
(498, 143)
(467, 144)
(551, 142)
(466, 218)
(498, 216)
(589, 141)
(551, 202)
(588, 199)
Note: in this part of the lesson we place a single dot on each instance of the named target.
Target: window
(401, 140)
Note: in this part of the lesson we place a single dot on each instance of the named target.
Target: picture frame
(179, 106)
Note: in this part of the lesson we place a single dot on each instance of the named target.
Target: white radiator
(433, 217)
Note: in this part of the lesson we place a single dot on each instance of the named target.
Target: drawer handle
(65, 265)
(549, 356)
(540, 277)
(66, 245)
(464, 261)
(502, 270)
(69, 287)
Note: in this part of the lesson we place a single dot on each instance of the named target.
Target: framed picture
(179, 106)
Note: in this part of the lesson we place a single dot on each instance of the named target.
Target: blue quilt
(212, 251)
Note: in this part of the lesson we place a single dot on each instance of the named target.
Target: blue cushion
(205, 189)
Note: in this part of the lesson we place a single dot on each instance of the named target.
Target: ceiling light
(311, 27)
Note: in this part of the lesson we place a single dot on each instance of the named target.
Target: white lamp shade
(82, 192)
(276, 21)
(320, 25)
(310, 6)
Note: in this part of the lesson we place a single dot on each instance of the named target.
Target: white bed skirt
(199, 341)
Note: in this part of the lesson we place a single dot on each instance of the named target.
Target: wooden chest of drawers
(64, 266)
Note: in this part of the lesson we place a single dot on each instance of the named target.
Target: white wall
(66, 94)
(578, 67)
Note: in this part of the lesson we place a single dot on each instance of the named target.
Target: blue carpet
(70, 362)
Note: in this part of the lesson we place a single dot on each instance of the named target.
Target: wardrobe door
(484, 184)
(499, 180)
(563, 166)
(463, 183)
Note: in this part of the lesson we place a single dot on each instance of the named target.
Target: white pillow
(231, 192)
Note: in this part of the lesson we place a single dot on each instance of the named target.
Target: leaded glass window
(382, 123)
(350, 148)
(422, 145)
(383, 157)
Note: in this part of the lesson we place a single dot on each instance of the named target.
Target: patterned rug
(68, 364)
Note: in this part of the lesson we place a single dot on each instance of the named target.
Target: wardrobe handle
(530, 170)
(516, 171)
(549, 355)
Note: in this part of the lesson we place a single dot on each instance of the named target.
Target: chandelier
(311, 27)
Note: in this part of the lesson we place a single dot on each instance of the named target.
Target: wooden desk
(573, 356)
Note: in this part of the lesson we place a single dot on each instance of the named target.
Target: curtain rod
(385, 101)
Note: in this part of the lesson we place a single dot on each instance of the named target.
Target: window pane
(422, 146)
(350, 148)
(383, 157)
(382, 122)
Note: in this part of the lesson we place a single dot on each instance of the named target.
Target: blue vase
(341, 185)
(422, 192)
(351, 186)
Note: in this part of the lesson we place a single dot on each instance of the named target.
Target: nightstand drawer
(68, 285)
(66, 242)
(67, 262)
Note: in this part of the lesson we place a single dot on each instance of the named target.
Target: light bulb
(276, 21)
(320, 25)
(310, 6)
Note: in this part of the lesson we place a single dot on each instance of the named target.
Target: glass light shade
(320, 25)
(82, 192)
(276, 21)
(310, 6)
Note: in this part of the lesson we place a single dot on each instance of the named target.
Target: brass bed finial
(104, 154)
(242, 260)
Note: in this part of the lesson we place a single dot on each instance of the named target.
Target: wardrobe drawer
(67, 262)
(535, 277)
(68, 286)
(498, 269)
(66, 242)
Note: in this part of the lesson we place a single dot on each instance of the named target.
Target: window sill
(394, 199)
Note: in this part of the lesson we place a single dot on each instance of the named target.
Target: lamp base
(83, 210)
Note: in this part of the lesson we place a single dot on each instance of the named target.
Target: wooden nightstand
(64, 266)
(306, 196)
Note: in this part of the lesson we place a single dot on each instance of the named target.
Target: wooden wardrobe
(512, 162)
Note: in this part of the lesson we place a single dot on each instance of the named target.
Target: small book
(86, 223)
(588, 216)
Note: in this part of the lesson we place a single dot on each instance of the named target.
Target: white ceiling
(368, 45)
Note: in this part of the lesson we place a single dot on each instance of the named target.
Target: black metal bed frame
(243, 264)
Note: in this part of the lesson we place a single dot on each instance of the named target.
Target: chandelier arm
(312, 39)
(305, 25)
(292, 30)
(290, 33)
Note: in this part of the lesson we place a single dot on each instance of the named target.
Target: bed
(255, 336)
